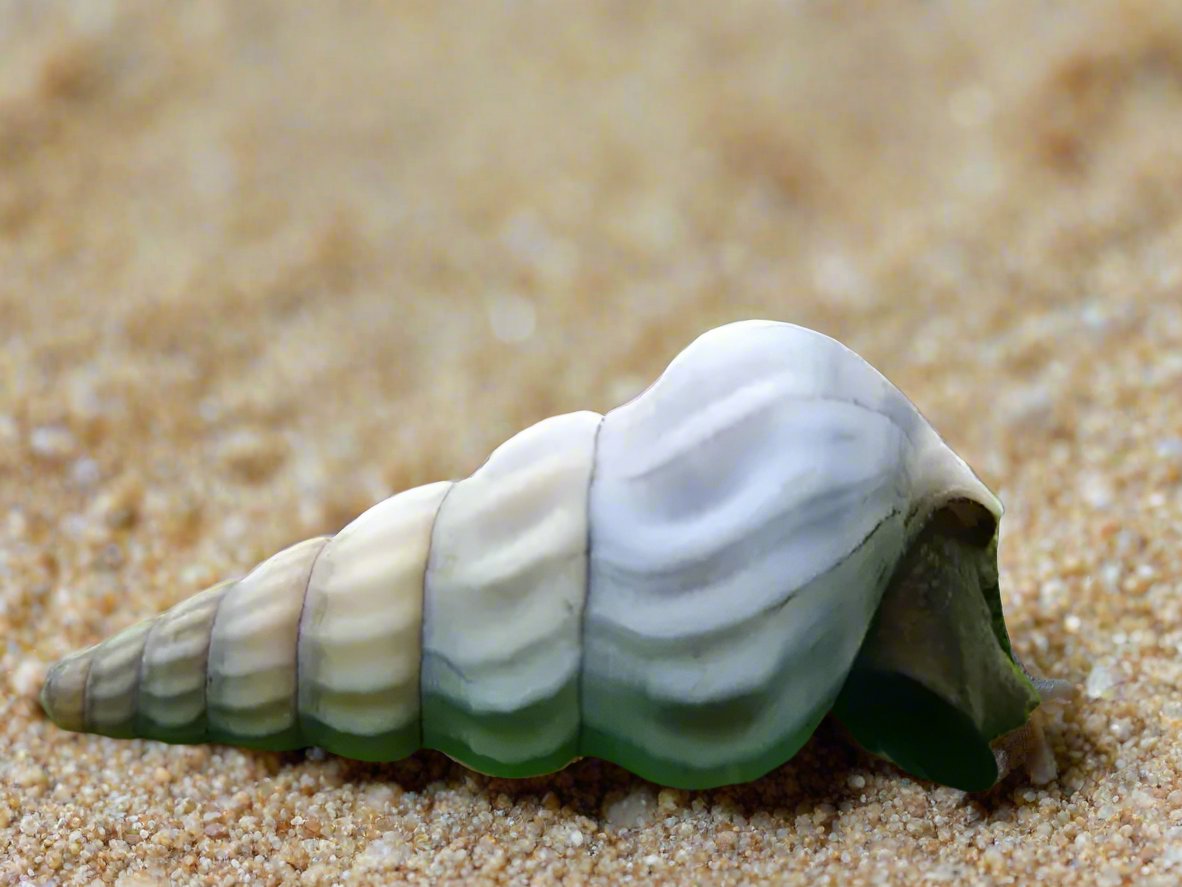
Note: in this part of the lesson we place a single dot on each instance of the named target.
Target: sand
(262, 265)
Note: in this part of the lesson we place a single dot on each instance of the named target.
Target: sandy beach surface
(263, 264)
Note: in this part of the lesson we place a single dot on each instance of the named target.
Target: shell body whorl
(680, 586)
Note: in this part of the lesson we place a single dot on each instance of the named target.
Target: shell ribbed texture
(679, 586)
(504, 602)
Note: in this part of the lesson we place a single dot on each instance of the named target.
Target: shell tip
(46, 696)
(43, 697)
(62, 696)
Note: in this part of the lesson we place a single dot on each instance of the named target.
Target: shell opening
(966, 519)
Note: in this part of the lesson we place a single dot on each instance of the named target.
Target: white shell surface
(252, 651)
(359, 636)
(679, 587)
(746, 512)
(172, 686)
(505, 592)
(111, 687)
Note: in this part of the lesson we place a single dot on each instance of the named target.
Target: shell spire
(684, 586)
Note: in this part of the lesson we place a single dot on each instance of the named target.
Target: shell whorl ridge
(680, 586)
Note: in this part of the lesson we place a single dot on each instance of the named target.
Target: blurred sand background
(262, 265)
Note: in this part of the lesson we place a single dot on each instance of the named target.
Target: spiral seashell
(685, 586)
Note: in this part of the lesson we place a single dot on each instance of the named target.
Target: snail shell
(681, 586)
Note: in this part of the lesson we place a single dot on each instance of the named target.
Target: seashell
(685, 586)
